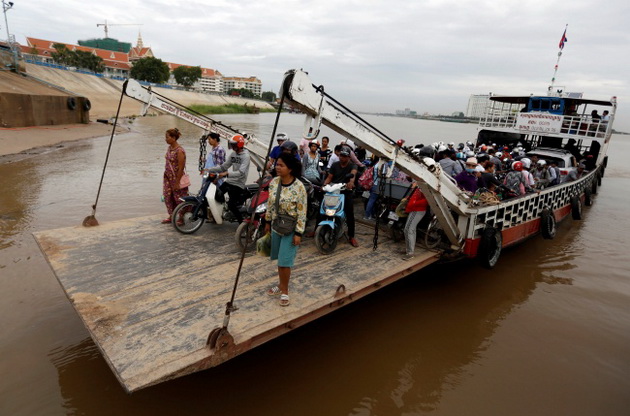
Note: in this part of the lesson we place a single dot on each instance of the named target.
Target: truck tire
(490, 247)
(72, 103)
(593, 187)
(547, 224)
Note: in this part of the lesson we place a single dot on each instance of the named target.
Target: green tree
(151, 70)
(88, 60)
(187, 75)
(62, 55)
(269, 96)
(243, 92)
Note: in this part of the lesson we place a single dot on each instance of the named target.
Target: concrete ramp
(150, 296)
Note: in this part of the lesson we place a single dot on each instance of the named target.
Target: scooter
(192, 212)
(252, 228)
(333, 226)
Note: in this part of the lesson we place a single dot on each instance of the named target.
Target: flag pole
(563, 40)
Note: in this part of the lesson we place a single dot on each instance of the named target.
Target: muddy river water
(546, 332)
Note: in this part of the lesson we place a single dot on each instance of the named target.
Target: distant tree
(88, 60)
(150, 69)
(269, 96)
(62, 54)
(187, 75)
(79, 59)
(243, 92)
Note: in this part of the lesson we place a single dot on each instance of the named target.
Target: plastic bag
(263, 245)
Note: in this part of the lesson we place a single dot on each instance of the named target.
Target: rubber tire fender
(588, 196)
(72, 103)
(576, 208)
(593, 186)
(490, 247)
(547, 224)
(87, 105)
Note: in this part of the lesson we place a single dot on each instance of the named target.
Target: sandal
(166, 221)
(274, 291)
(284, 300)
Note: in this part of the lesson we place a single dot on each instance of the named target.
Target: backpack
(366, 180)
(513, 181)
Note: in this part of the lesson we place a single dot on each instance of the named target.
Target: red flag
(563, 40)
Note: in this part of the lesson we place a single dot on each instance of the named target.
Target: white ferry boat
(545, 124)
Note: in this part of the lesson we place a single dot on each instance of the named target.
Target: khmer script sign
(539, 122)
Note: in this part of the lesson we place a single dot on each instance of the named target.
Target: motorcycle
(253, 228)
(192, 212)
(333, 226)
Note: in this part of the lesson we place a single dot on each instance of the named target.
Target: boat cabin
(555, 121)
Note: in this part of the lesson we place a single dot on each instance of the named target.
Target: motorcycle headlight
(331, 212)
(206, 175)
(261, 208)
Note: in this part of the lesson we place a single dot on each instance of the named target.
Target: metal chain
(380, 174)
(202, 152)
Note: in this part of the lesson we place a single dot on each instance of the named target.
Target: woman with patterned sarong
(173, 171)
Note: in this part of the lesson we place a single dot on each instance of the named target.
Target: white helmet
(526, 162)
(479, 168)
(498, 154)
(441, 148)
(542, 162)
(470, 154)
(451, 144)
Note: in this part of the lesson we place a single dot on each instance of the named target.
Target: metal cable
(109, 148)
(229, 307)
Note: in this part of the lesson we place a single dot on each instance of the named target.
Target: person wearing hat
(310, 163)
(275, 152)
(337, 174)
(468, 179)
(235, 170)
(216, 155)
(576, 174)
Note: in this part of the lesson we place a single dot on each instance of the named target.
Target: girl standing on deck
(416, 207)
(292, 202)
(173, 172)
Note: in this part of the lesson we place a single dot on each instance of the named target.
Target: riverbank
(17, 143)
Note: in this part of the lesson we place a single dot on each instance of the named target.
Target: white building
(252, 83)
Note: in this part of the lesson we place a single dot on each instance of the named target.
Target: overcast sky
(375, 56)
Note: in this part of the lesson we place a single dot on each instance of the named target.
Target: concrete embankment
(104, 93)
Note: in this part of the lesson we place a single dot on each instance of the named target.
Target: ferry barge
(154, 324)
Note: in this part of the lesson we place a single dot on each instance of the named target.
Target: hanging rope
(91, 220)
(229, 307)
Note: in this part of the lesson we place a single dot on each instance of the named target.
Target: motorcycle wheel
(325, 239)
(433, 234)
(182, 218)
(247, 233)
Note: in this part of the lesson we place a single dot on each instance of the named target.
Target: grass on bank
(229, 109)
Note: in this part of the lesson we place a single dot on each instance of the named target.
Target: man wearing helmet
(337, 174)
(235, 178)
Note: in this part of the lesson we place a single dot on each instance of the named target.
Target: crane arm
(442, 193)
(133, 89)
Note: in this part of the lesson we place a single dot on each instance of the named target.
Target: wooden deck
(150, 296)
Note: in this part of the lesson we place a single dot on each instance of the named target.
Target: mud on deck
(150, 296)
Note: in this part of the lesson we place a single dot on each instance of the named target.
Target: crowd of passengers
(504, 171)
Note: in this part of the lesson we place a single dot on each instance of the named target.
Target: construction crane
(106, 25)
